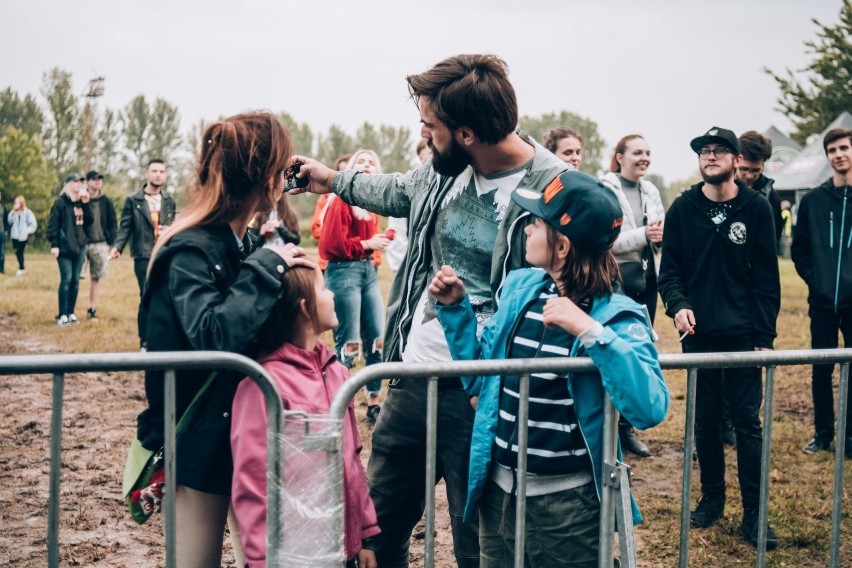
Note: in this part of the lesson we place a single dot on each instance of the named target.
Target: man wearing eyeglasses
(756, 149)
(719, 282)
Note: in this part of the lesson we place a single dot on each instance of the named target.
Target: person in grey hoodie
(460, 214)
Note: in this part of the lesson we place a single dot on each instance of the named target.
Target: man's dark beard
(452, 161)
(718, 179)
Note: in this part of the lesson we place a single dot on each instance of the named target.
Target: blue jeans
(69, 280)
(360, 313)
(396, 471)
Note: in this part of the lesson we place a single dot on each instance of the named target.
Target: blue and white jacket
(624, 354)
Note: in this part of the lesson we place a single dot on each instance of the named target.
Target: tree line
(64, 129)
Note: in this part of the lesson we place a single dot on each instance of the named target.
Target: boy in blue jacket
(564, 307)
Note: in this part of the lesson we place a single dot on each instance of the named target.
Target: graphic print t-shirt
(154, 203)
(463, 237)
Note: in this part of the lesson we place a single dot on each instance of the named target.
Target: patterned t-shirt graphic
(154, 203)
(463, 237)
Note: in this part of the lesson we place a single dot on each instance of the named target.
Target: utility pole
(89, 143)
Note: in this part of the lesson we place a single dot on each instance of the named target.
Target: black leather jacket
(136, 225)
(204, 293)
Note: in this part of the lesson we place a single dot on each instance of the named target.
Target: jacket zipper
(839, 248)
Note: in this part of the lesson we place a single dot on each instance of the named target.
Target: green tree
(823, 93)
(164, 137)
(109, 143)
(24, 170)
(367, 138)
(87, 142)
(60, 133)
(150, 131)
(24, 114)
(330, 146)
(134, 128)
(593, 143)
(300, 134)
(395, 148)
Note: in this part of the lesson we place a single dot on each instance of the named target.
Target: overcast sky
(666, 69)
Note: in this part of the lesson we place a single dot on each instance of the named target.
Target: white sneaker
(20, 272)
(62, 321)
(72, 319)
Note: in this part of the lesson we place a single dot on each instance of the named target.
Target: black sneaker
(709, 509)
(373, 413)
(821, 442)
(91, 313)
(749, 527)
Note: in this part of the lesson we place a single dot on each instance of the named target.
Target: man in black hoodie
(823, 258)
(719, 282)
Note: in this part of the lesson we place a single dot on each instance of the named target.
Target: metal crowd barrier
(169, 362)
(613, 502)
(614, 472)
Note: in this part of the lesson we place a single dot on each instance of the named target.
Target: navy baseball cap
(73, 176)
(717, 135)
(579, 206)
(93, 175)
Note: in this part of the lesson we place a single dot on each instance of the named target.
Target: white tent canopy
(784, 149)
(810, 168)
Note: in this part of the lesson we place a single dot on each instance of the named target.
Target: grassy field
(801, 485)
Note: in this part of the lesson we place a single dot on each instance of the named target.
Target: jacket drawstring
(839, 247)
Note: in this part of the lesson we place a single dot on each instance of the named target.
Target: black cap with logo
(579, 206)
(716, 135)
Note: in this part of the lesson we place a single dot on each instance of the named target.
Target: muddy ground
(99, 417)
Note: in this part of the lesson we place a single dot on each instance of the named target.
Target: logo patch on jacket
(737, 233)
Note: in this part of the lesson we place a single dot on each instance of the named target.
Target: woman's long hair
(375, 156)
(358, 212)
(281, 325)
(286, 214)
(584, 274)
(241, 157)
(66, 190)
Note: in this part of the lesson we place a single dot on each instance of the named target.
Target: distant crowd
(501, 248)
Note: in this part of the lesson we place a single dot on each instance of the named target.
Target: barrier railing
(59, 365)
(613, 470)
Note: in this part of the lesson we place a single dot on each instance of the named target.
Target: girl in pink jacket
(308, 374)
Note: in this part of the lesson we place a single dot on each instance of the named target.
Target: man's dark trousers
(742, 388)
